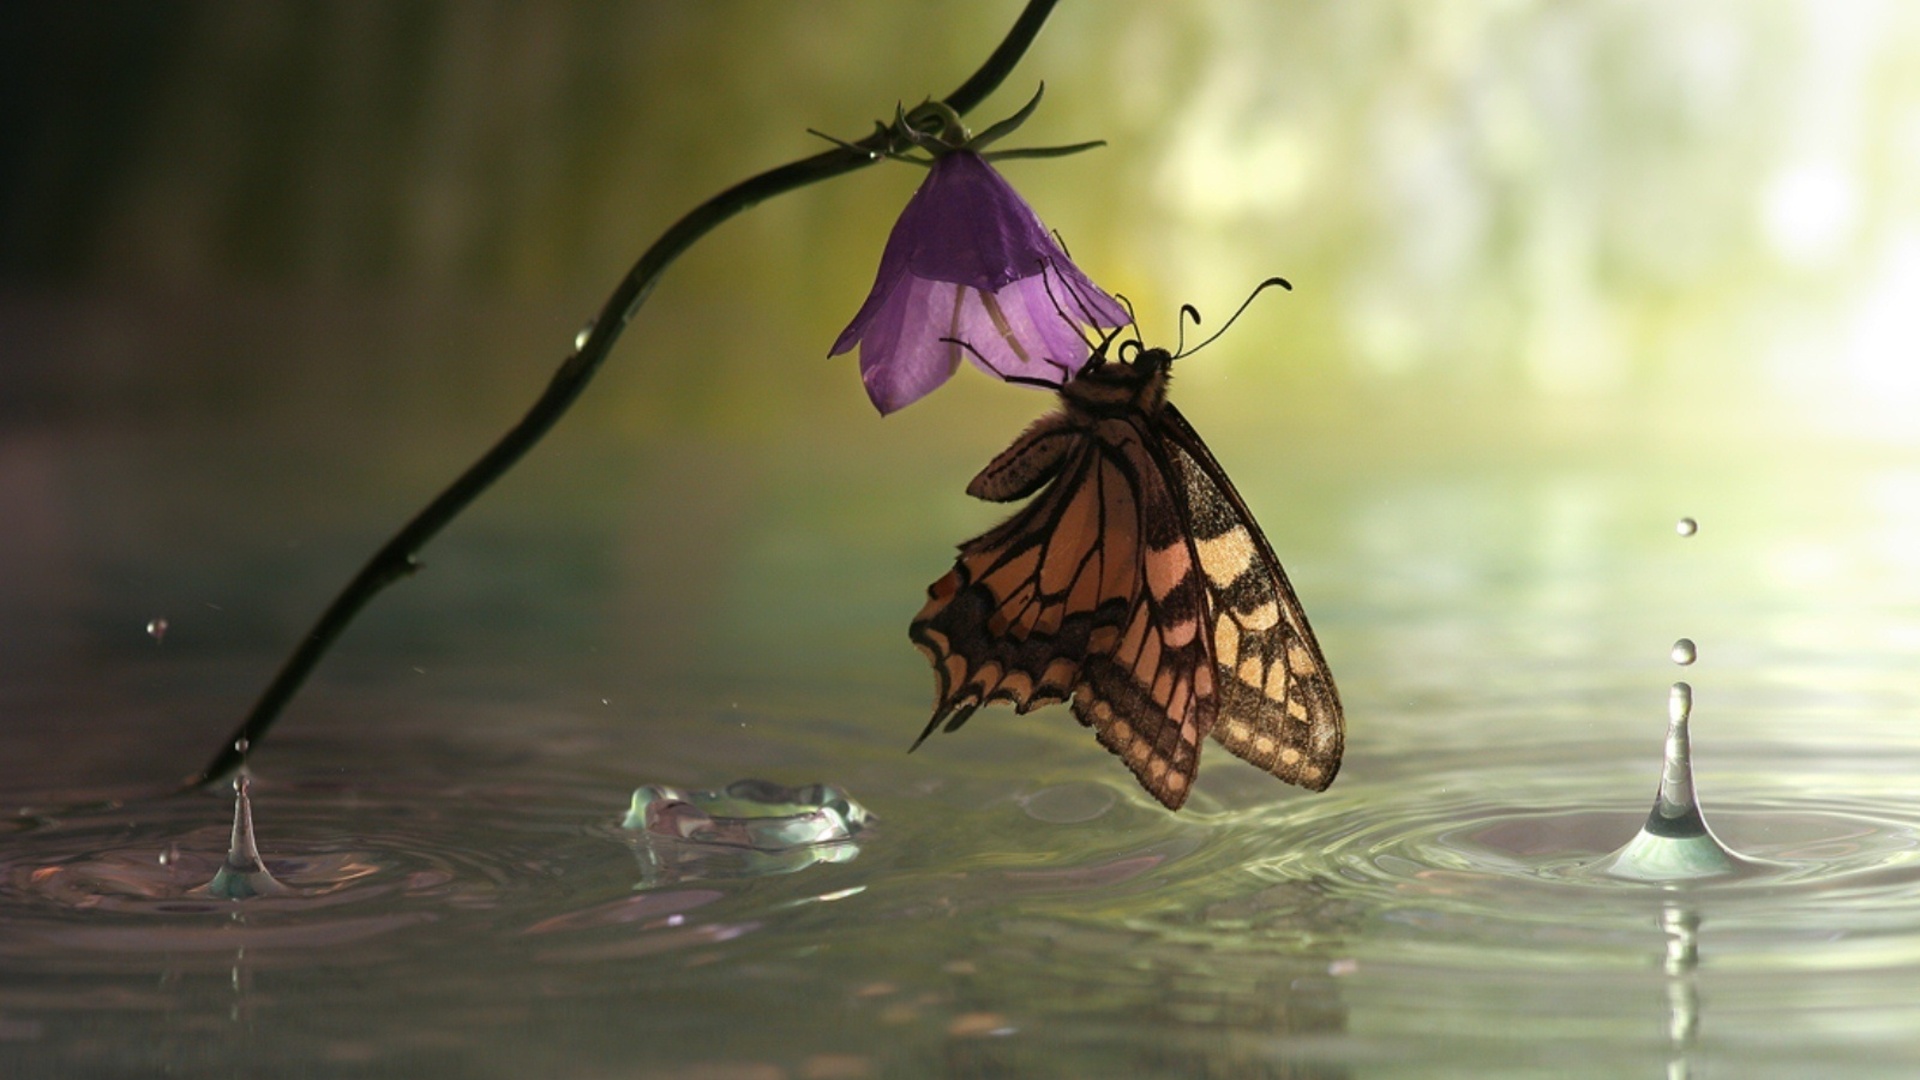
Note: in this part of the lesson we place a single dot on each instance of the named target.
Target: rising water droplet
(1675, 843)
(157, 629)
(1684, 652)
(1686, 526)
(241, 745)
(244, 875)
(580, 339)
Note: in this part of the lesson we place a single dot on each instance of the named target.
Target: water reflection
(1681, 925)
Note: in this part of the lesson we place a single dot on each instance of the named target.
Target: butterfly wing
(1148, 692)
(1137, 583)
(1025, 603)
(1278, 707)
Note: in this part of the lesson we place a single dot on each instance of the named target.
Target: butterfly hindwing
(1034, 458)
(1278, 708)
(1150, 696)
(1019, 612)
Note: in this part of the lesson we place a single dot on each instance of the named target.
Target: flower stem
(398, 558)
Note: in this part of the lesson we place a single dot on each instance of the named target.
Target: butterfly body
(1137, 585)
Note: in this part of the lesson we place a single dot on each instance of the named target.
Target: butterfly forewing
(1278, 708)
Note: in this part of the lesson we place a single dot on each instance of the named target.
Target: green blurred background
(271, 272)
(1616, 214)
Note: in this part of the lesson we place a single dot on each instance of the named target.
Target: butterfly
(1136, 584)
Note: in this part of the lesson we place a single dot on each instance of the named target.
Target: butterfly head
(1121, 375)
(1125, 374)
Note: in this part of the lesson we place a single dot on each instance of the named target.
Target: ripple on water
(1490, 853)
(351, 864)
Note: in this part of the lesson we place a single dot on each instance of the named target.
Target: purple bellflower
(969, 270)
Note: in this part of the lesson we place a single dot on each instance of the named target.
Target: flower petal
(893, 271)
(1018, 333)
(967, 225)
(969, 261)
(902, 358)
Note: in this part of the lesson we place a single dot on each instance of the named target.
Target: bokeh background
(270, 273)
(273, 271)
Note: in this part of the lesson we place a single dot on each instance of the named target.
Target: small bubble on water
(1686, 526)
(1684, 652)
(157, 629)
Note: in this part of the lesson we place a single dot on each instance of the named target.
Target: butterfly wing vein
(1136, 584)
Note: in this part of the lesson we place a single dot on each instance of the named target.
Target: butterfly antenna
(1187, 311)
(1244, 304)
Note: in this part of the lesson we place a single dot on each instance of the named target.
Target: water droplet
(241, 745)
(580, 339)
(1686, 526)
(748, 828)
(170, 856)
(157, 629)
(244, 875)
(1684, 652)
(1675, 843)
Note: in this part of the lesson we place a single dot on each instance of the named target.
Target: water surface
(443, 807)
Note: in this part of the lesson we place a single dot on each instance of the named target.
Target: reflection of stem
(1682, 927)
(398, 558)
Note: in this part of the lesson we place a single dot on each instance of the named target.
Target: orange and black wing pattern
(1278, 707)
(1027, 603)
(1136, 584)
(1089, 593)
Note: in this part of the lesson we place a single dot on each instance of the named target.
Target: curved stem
(398, 557)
